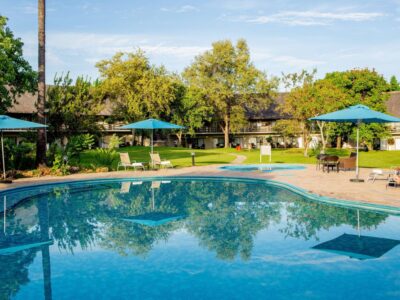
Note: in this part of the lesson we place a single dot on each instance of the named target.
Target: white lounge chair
(126, 162)
(379, 173)
(156, 161)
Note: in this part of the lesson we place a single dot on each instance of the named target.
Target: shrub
(60, 166)
(105, 157)
(79, 143)
(391, 141)
(19, 157)
(114, 142)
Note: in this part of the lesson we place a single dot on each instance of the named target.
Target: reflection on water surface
(191, 238)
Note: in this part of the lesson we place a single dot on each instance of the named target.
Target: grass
(181, 157)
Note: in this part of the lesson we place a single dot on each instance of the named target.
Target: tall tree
(72, 108)
(394, 84)
(230, 83)
(309, 98)
(16, 75)
(190, 110)
(41, 141)
(137, 89)
(361, 86)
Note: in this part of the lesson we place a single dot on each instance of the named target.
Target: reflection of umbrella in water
(358, 246)
(154, 218)
(10, 244)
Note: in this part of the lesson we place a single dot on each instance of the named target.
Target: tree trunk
(41, 141)
(339, 142)
(321, 130)
(305, 140)
(226, 130)
(179, 136)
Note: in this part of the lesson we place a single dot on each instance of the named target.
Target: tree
(190, 110)
(361, 86)
(137, 89)
(72, 108)
(310, 98)
(230, 82)
(287, 129)
(16, 75)
(394, 84)
(41, 142)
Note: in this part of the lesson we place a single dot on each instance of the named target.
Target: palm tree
(41, 141)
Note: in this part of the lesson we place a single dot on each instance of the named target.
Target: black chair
(320, 159)
(330, 162)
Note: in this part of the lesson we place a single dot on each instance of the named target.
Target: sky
(283, 36)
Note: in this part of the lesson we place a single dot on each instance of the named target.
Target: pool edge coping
(297, 190)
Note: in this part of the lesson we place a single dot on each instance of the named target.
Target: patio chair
(348, 163)
(320, 159)
(126, 162)
(156, 161)
(330, 162)
(394, 181)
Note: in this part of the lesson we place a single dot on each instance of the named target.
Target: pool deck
(333, 185)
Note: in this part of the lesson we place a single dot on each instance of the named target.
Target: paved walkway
(335, 185)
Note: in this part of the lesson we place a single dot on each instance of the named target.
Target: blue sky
(283, 36)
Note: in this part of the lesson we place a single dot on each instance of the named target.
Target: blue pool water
(192, 239)
(262, 167)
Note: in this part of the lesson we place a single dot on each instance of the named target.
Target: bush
(79, 143)
(60, 166)
(19, 157)
(105, 158)
(114, 142)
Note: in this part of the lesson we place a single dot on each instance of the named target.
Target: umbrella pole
(152, 132)
(2, 156)
(357, 179)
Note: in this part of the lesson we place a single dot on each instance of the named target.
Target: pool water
(192, 238)
(262, 167)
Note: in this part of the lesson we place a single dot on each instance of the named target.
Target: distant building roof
(393, 104)
(26, 104)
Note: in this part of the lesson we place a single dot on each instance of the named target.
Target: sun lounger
(156, 161)
(126, 162)
(379, 173)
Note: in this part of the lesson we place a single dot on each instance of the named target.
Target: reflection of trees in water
(14, 272)
(130, 238)
(226, 216)
(14, 267)
(305, 218)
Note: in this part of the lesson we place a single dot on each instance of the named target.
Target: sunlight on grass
(181, 157)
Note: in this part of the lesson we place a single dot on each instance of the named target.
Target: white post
(2, 155)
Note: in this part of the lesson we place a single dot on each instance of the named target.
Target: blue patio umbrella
(152, 124)
(356, 114)
(7, 122)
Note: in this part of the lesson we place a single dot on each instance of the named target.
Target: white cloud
(94, 47)
(296, 62)
(182, 9)
(311, 18)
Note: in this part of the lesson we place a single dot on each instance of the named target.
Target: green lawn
(181, 157)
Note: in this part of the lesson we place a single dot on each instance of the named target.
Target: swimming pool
(262, 167)
(192, 238)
